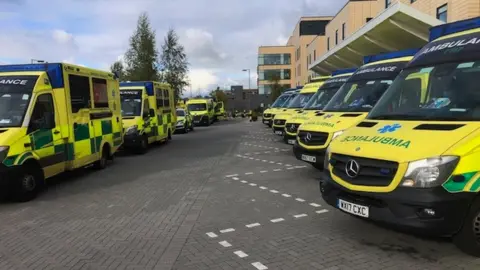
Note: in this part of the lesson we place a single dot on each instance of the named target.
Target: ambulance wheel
(30, 182)
(102, 162)
(468, 238)
(143, 145)
(208, 122)
(169, 138)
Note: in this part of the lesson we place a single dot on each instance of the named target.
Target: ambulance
(220, 110)
(305, 93)
(54, 118)
(316, 103)
(181, 104)
(148, 110)
(269, 113)
(202, 110)
(350, 104)
(414, 162)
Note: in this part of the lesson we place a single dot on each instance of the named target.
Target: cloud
(220, 37)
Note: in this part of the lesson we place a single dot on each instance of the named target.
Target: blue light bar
(54, 71)
(148, 86)
(390, 55)
(343, 71)
(299, 87)
(454, 27)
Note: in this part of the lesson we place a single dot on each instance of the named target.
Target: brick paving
(154, 212)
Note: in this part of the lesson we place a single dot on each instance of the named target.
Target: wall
(236, 101)
(457, 9)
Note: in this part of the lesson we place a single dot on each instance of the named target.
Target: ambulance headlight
(3, 152)
(336, 134)
(131, 130)
(430, 172)
(180, 123)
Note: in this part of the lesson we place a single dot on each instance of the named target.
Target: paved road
(230, 196)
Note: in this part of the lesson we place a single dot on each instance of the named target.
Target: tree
(142, 56)
(276, 88)
(219, 95)
(118, 68)
(174, 63)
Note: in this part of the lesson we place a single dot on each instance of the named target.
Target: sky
(221, 37)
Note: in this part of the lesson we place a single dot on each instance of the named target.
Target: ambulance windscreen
(131, 101)
(442, 92)
(15, 94)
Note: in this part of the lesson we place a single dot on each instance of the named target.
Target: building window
(412, 1)
(314, 55)
(274, 59)
(336, 37)
(269, 74)
(388, 3)
(328, 44)
(344, 26)
(369, 19)
(442, 13)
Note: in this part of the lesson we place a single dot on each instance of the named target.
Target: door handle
(56, 132)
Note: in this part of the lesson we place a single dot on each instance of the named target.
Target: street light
(249, 88)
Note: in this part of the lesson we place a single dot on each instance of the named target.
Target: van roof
(453, 29)
(389, 56)
(54, 71)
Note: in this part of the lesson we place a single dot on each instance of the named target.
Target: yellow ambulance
(305, 93)
(202, 110)
(350, 104)
(315, 106)
(415, 161)
(220, 110)
(278, 104)
(55, 117)
(148, 110)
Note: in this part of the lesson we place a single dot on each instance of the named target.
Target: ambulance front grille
(313, 138)
(370, 172)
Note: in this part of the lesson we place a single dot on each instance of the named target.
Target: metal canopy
(399, 27)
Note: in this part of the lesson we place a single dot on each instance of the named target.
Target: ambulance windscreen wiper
(398, 116)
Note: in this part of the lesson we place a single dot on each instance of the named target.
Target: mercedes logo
(352, 168)
(292, 127)
(308, 137)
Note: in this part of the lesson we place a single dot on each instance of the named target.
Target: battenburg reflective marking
(454, 27)
(387, 56)
(379, 139)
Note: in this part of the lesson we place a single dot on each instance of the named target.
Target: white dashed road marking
(277, 220)
(212, 235)
(323, 211)
(243, 181)
(277, 170)
(227, 230)
(274, 191)
(300, 216)
(286, 195)
(299, 200)
(263, 171)
(240, 254)
(252, 225)
(315, 205)
(259, 266)
(262, 187)
(248, 173)
(231, 175)
(253, 184)
(225, 244)
(235, 178)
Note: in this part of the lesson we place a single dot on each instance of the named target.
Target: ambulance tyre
(468, 238)
(30, 182)
(102, 162)
(169, 138)
(143, 145)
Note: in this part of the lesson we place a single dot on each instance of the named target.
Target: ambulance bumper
(429, 211)
(133, 140)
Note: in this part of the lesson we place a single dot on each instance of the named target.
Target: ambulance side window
(159, 97)
(166, 98)
(146, 109)
(79, 92)
(43, 114)
(100, 94)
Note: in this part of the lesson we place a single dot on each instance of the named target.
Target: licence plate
(291, 141)
(309, 158)
(278, 132)
(355, 209)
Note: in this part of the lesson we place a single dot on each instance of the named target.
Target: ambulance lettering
(16, 82)
(449, 45)
(378, 139)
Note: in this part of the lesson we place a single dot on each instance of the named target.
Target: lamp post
(249, 88)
